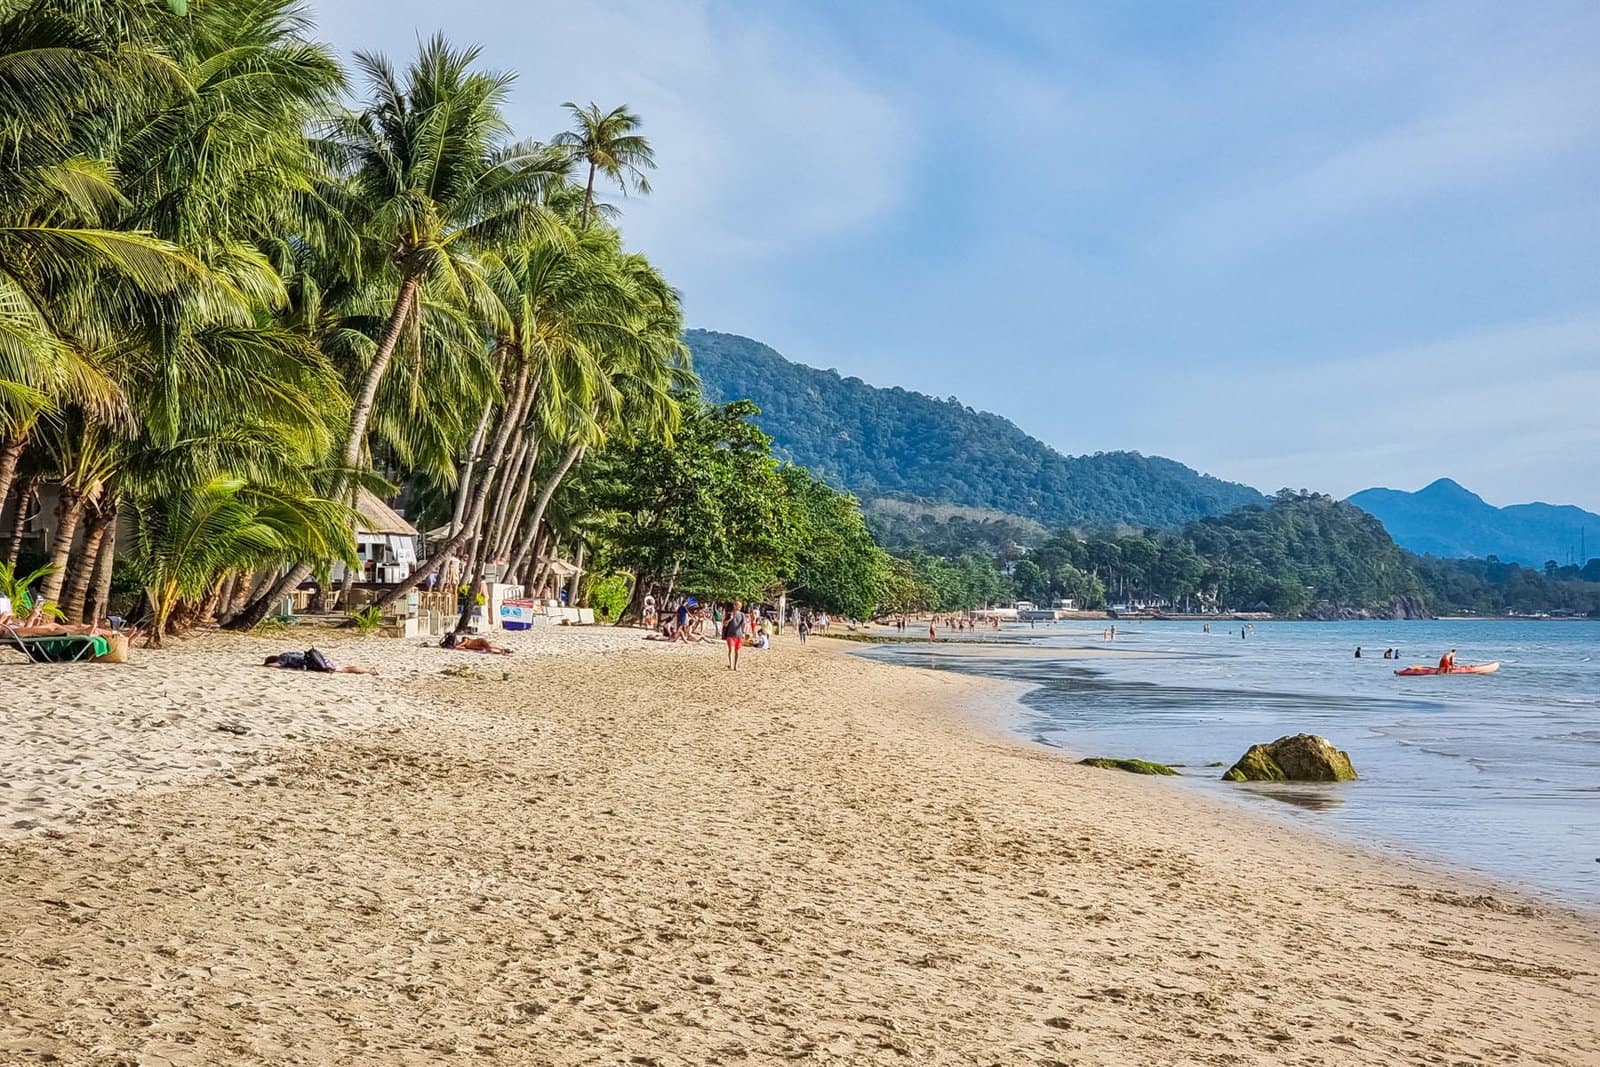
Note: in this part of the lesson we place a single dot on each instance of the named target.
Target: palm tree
(431, 166)
(185, 542)
(212, 162)
(644, 367)
(435, 182)
(607, 142)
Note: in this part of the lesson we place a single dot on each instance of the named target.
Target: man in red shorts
(733, 633)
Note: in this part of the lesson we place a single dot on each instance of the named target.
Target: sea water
(1499, 774)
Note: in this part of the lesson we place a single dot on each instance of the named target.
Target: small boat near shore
(1418, 669)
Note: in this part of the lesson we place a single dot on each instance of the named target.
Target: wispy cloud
(1309, 245)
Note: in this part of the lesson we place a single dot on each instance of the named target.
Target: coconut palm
(644, 366)
(435, 182)
(608, 143)
(186, 541)
(213, 162)
(438, 179)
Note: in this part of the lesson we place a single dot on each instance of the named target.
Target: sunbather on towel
(472, 644)
(312, 660)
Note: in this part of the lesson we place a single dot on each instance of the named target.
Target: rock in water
(1301, 758)
(1132, 766)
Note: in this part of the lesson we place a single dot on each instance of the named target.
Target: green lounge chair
(54, 648)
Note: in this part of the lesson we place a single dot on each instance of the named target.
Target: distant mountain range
(1444, 519)
(892, 442)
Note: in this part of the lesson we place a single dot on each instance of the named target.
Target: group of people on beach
(687, 621)
(953, 621)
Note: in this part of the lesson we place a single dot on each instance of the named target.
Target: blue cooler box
(516, 614)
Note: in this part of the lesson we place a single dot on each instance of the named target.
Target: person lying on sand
(473, 644)
(312, 660)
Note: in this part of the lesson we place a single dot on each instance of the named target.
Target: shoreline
(619, 850)
(1006, 727)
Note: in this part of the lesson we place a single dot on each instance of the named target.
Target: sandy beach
(602, 850)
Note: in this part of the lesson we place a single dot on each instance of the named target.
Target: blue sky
(1316, 245)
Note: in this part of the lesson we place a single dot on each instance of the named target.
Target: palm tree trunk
(68, 512)
(208, 607)
(572, 586)
(19, 520)
(525, 545)
(588, 200)
(244, 593)
(519, 506)
(225, 595)
(480, 497)
(470, 601)
(83, 563)
(342, 599)
(550, 484)
(530, 570)
(361, 413)
(10, 452)
(251, 616)
(464, 488)
(99, 603)
(495, 528)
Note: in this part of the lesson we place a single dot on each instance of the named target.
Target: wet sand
(623, 853)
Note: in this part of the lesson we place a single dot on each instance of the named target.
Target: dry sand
(623, 854)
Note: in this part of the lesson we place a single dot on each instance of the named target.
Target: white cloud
(1508, 412)
(769, 140)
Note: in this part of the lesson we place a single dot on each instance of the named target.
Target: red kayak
(1460, 668)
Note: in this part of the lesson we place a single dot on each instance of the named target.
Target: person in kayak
(1447, 662)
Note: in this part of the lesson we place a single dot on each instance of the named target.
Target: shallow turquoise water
(1499, 773)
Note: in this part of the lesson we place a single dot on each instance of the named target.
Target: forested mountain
(1446, 520)
(875, 441)
(1325, 553)
(1302, 553)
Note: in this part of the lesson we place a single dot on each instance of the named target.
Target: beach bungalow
(385, 542)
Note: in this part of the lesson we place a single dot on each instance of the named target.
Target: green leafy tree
(838, 567)
(710, 514)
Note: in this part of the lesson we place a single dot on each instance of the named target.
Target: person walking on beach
(733, 633)
(804, 628)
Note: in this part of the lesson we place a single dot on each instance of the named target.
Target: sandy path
(635, 857)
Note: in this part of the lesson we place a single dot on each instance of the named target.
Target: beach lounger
(54, 648)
